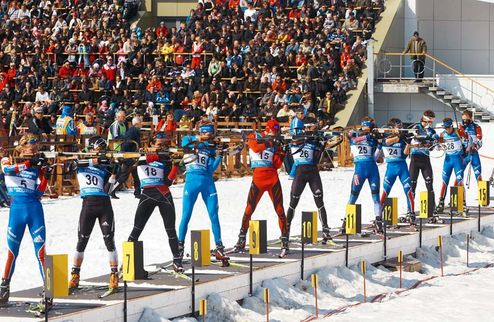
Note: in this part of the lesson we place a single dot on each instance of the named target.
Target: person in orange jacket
(266, 157)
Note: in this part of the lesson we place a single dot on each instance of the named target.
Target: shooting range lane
(84, 302)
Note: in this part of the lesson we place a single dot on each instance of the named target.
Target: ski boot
(326, 236)
(343, 226)
(403, 220)
(4, 291)
(240, 245)
(75, 278)
(440, 206)
(177, 264)
(219, 253)
(378, 225)
(285, 249)
(46, 304)
(180, 249)
(113, 284)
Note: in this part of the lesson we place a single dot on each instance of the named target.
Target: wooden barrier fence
(63, 182)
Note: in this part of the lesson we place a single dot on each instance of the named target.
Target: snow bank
(461, 294)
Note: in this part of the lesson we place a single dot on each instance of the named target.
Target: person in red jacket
(162, 30)
(266, 157)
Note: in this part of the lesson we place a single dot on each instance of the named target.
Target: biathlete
(200, 163)
(453, 161)
(95, 177)
(156, 173)
(364, 146)
(266, 157)
(396, 150)
(472, 132)
(420, 144)
(306, 149)
(26, 182)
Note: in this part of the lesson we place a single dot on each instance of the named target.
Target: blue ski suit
(25, 186)
(199, 179)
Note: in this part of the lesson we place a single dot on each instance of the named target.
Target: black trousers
(96, 207)
(421, 163)
(307, 174)
(149, 200)
(418, 67)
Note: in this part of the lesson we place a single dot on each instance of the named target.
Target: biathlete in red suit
(266, 157)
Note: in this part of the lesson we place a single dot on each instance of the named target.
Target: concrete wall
(407, 107)
(458, 32)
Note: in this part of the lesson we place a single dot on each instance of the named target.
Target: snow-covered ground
(62, 218)
(462, 294)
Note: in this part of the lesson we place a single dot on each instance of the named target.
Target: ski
(178, 275)
(37, 309)
(283, 253)
(109, 292)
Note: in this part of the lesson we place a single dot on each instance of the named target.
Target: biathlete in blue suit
(364, 147)
(454, 148)
(200, 163)
(472, 132)
(26, 182)
(395, 150)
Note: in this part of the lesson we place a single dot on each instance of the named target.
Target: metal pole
(302, 262)
(451, 223)
(346, 250)
(420, 232)
(401, 66)
(384, 241)
(370, 78)
(468, 247)
(478, 221)
(250, 275)
(125, 301)
(193, 291)
(46, 306)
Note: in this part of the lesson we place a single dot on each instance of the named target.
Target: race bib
(200, 163)
(151, 174)
(91, 181)
(22, 183)
(453, 147)
(391, 152)
(261, 159)
(303, 155)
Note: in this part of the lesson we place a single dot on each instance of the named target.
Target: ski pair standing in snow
(453, 161)
(396, 149)
(306, 149)
(364, 146)
(95, 177)
(156, 173)
(200, 163)
(266, 157)
(26, 182)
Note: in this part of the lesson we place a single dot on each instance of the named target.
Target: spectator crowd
(232, 59)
